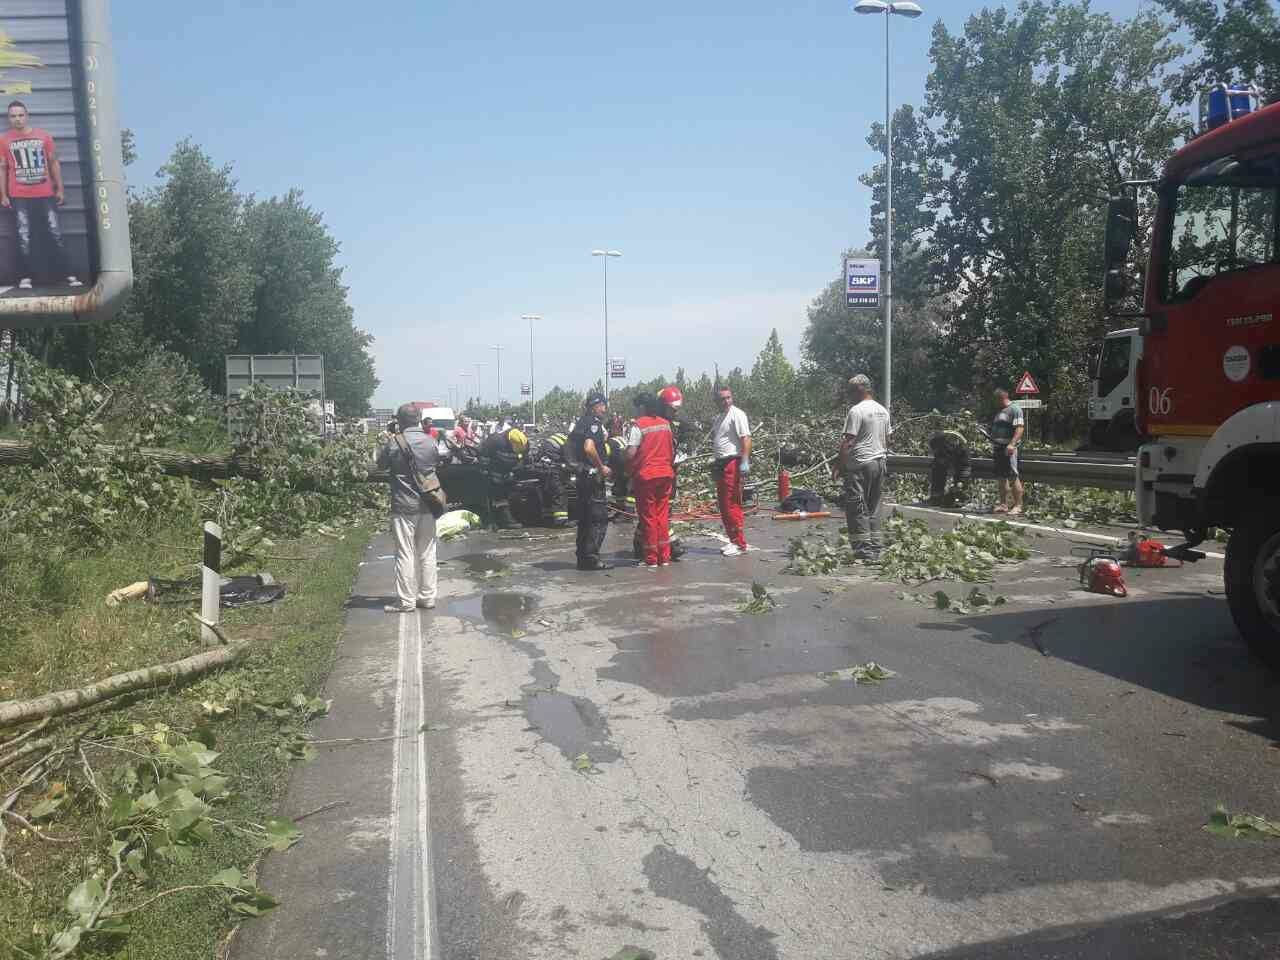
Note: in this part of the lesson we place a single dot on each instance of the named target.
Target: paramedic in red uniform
(650, 457)
(31, 186)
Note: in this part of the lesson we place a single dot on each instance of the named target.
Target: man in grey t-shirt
(862, 462)
(412, 525)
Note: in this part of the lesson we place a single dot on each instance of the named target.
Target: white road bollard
(210, 581)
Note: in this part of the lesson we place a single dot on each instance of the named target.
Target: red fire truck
(1208, 390)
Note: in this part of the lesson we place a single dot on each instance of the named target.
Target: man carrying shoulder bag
(410, 456)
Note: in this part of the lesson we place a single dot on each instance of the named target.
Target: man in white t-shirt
(731, 435)
(862, 461)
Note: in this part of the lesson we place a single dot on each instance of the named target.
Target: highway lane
(629, 759)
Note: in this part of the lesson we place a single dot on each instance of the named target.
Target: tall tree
(1033, 137)
(1236, 41)
(299, 303)
(198, 285)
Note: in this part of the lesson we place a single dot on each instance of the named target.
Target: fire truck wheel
(1252, 580)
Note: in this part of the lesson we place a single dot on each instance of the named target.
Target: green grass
(64, 635)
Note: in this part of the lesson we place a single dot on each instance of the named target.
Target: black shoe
(592, 565)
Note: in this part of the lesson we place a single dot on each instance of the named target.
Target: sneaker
(591, 566)
(648, 566)
(399, 608)
(73, 282)
(665, 563)
(427, 604)
(24, 283)
(732, 550)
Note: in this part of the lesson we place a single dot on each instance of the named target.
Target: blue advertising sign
(862, 283)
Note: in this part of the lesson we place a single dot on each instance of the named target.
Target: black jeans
(593, 518)
(42, 253)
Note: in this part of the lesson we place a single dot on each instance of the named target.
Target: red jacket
(655, 453)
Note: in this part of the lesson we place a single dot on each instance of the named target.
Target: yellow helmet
(519, 442)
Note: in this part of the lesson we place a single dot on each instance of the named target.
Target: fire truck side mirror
(1122, 227)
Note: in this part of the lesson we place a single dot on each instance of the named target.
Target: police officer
(500, 454)
(950, 457)
(587, 450)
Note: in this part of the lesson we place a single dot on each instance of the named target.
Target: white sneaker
(427, 604)
(399, 608)
(73, 282)
(24, 283)
(647, 566)
(732, 550)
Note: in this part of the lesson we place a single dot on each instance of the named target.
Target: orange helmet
(672, 397)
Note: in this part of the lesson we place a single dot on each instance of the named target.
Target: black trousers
(960, 469)
(593, 518)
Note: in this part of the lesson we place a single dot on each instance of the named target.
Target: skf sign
(862, 283)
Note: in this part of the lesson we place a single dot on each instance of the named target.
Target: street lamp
(498, 348)
(901, 8)
(478, 382)
(605, 255)
(533, 396)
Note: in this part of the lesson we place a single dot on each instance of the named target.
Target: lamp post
(533, 396)
(478, 382)
(901, 8)
(604, 255)
(497, 349)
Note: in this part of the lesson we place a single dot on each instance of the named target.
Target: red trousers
(729, 497)
(653, 514)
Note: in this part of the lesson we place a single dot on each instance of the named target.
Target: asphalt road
(554, 764)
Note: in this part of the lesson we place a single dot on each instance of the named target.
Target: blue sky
(469, 156)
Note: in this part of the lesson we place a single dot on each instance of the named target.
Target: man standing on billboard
(31, 186)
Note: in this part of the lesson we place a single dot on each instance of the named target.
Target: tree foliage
(218, 272)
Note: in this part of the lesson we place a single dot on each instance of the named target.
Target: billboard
(280, 371)
(862, 283)
(64, 230)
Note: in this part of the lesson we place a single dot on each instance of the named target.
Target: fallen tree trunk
(14, 453)
(17, 452)
(65, 701)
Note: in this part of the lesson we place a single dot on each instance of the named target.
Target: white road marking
(410, 930)
(1062, 532)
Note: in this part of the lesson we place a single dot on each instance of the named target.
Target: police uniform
(592, 506)
(950, 457)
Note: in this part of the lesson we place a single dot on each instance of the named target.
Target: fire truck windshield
(1224, 220)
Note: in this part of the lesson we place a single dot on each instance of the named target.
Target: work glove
(744, 466)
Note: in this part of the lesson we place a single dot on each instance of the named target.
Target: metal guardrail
(1061, 471)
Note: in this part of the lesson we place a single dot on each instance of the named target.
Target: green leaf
(254, 903)
(46, 807)
(85, 899)
(230, 877)
(282, 833)
(941, 601)
(634, 953)
(582, 762)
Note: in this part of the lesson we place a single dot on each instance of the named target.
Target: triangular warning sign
(1027, 384)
